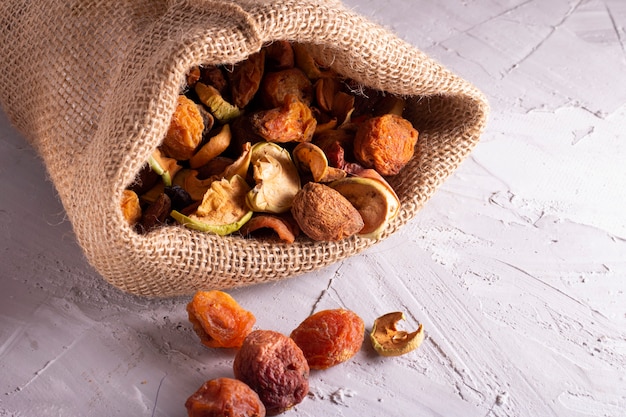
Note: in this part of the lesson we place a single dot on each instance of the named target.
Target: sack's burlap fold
(92, 86)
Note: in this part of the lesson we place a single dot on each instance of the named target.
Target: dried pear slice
(223, 209)
(219, 107)
(214, 147)
(376, 204)
(387, 340)
(311, 158)
(164, 166)
(276, 177)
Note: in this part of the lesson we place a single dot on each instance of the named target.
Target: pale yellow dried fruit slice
(387, 340)
(223, 209)
(276, 177)
(373, 200)
(164, 166)
(219, 107)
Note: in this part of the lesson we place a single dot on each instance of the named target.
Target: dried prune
(275, 367)
(224, 397)
(218, 319)
(329, 337)
(385, 143)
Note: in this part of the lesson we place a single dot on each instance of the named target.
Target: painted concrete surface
(516, 267)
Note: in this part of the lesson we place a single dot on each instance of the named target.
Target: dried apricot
(385, 143)
(219, 320)
(275, 367)
(224, 397)
(329, 337)
(185, 130)
(292, 122)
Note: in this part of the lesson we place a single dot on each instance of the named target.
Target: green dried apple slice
(164, 166)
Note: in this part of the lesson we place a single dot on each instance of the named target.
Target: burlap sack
(92, 85)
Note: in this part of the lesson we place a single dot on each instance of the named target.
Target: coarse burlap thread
(92, 85)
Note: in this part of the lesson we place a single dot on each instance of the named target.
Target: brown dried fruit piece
(329, 337)
(224, 397)
(185, 131)
(286, 229)
(292, 122)
(275, 367)
(219, 320)
(323, 214)
(385, 143)
(246, 78)
(156, 214)
(276, 86)
(387, 340)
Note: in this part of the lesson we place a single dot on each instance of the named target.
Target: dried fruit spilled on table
(275, 147)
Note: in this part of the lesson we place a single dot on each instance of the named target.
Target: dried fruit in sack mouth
(385, 143)
(310, 158)
(224, 397)
(285, 229)
(276, 86)
(388, 340)
(329, 337)
(374, 201)
(131, 209)
(185, 130)
(323, 214)
(275, 367)
(223, 209)
(293, 121)
(219, 320)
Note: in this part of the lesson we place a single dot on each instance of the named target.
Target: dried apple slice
(311, 158)
(276, 176)
(163, 166)
(219, 107)
(387, 340)
(214, 147)
(223, 209)
(376, 204)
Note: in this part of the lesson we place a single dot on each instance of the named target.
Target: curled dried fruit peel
(387, 340)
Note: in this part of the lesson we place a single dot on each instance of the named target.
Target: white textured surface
(516, 267)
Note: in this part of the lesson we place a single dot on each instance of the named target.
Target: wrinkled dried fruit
(246, 78)
(372, 198)
(179, 196)
(286, 229)
(329, 337)
(292, 122)
(185, 130)
(219, 320)
(305, 61)
(156, 214)
(279, 55)
(130, 207)
(323, 214)
(224, 397)
(387, 340)
(278, 85)
(275, 367)
(214, 76)
(385, 143)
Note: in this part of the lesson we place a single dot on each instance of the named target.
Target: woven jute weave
(92, 85)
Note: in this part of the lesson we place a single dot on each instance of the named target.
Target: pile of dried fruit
(275, 143)
(271, 370)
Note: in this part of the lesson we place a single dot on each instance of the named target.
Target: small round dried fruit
(385, 143)
(329, 337)
(323, 214)
(224, 397)
(275, 367)
(218, 319)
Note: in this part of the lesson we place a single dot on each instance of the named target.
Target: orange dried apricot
(224, 397)
(329, 337)
(185, 130)
(219, 320)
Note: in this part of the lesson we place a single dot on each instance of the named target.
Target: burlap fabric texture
(92, 84)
